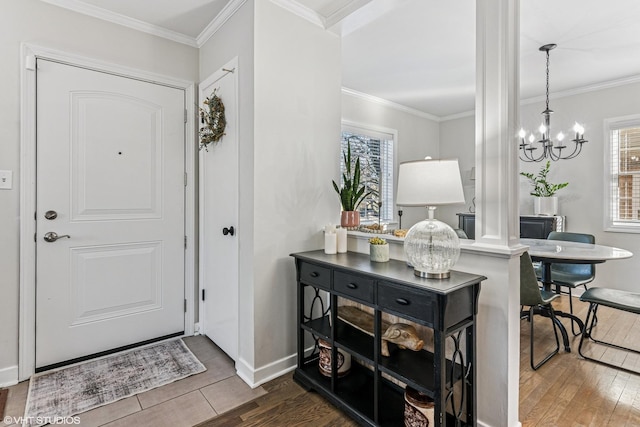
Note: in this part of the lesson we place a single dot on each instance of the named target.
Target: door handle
(52, 236)
(229, 230)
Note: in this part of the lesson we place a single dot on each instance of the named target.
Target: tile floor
(183, 403)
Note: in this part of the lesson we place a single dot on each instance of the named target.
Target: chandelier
(551, 149)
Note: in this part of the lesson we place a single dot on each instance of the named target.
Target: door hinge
(185, 305)
(185, 179)
(203, 295)
(185, 242)
(35, 216)
(185, 115)
(35, 237)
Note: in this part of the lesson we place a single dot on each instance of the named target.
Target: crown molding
(386, 103)
(318, 19)
(562, 94)
(302, 11)
(225, 14)
(458, 115)
(116, 18)
(584, 89)
(343, 12)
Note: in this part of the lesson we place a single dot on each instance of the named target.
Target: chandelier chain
(547, 80)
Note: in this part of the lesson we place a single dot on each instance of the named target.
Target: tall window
(375, 151)
(624, 185)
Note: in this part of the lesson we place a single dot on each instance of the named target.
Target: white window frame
(378, 132)
(612, 224)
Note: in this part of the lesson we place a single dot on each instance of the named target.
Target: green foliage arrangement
(213, 121)
(541, 187)
(352, 192)
(377, 241)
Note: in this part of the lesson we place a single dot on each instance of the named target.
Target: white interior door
(219, 210)
(110, 175)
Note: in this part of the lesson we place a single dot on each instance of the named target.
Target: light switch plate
(6, 180)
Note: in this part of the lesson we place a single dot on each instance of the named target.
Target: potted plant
(378, 249)
(352, 192)
(545, 202)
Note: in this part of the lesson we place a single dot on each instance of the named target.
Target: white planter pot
(545, 205)
(379, 253)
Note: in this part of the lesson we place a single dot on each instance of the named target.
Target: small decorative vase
(324, 362)
(379, 253)
(418, 409)
(545, 205)
(350, 219)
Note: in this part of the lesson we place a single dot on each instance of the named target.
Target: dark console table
(372, 392)
(531, 226)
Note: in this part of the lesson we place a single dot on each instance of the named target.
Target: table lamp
(431, 246)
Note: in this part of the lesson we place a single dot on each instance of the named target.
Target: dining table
(548, 252)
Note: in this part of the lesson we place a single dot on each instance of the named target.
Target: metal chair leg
(595, 314)
(589, 324)
(573, 328)
(552, 316)
(574, 320)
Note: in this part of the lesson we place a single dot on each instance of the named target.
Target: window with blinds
(375, 151)
(624, 185)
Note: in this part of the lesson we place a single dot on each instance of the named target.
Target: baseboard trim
(481, 424)
(9, 376)
(256, 377)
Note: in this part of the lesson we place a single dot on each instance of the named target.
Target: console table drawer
(353, 285)
(314, 275)
(402, 300)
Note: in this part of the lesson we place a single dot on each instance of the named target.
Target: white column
(497, 118)
(496, 251)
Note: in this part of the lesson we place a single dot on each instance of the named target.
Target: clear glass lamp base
(432, 248)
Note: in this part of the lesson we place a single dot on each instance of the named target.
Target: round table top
(573, 251)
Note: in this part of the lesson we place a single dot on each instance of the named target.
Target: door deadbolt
(52, 236)
(50, 215)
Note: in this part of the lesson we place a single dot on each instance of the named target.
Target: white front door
(219, 211)
(110, 176)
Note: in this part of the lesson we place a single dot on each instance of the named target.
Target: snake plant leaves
(352, 192)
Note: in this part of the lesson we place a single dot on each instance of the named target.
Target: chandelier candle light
(431, 246)
(550, 150)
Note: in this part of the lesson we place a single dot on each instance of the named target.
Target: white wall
(297, 126)
(457, 141)
(417, 137)
(289, 73)
(36, 22)
(582, 202)
(236, 39)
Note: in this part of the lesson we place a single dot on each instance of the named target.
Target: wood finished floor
(571, 391)
(567, 391)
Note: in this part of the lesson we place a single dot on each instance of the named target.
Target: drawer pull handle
(352, 286)
(314, 274)
(402, 301)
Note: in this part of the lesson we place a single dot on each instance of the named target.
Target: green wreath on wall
(213, 121)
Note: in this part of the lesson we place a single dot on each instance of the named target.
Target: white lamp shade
(429, 183)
